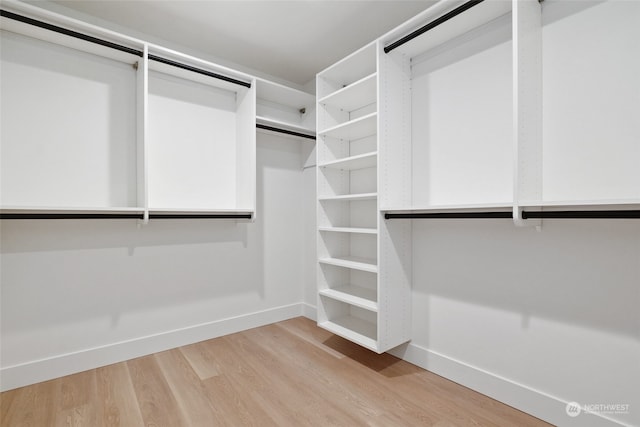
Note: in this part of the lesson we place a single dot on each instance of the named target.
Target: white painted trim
(65, 364)
(535, 402)
(310, 311)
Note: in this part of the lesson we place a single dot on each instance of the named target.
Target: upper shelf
(69, 209)
(583, 204)
(349, 197)
(443, 22)
(349, 70)
(285, 108)
(449, 208)
(357, 95)
(355, 263)
(355, 129)
(283, 95)
(37, 23)
(360, 161)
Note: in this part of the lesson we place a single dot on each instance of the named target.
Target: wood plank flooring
(291, 373)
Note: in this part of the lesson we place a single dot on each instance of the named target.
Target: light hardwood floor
(291, 373)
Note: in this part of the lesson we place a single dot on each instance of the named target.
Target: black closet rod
(449, 215)
(198, 70)
(200, 216)
(71, 216)
(68, 32)
(444, 18)
(116, 46)
(119, 216)
(602, 214)
(285, 131)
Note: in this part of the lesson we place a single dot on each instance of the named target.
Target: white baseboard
(519, 396)
(309, 311)
(65, 364)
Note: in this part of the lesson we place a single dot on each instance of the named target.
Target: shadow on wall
(577, 271)
(66, 271)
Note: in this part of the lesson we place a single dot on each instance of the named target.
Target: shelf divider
(357, 330)
(360, 161)
(350, 197)
(354, 129)
(354, 96)
(359, 230)
(355, 263)
(354, 295)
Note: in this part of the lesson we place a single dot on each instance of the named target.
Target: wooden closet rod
(444, 18)
(68, 32)
(285, 131)
(574, 214)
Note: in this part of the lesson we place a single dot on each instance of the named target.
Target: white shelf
(566, 204)
(281, 124)
(68, 209)
(283, 95)
(198, 211)
(354, 295)
(54, 37)
(459, 25)
(356, 263)
(350, 197)
(360, 161)
(198, 63)
(357, 330)
(587, 204)
(354, 129)
(359, 230)
(284, 108)
(357, 95)
(352, 68)
(448, 208)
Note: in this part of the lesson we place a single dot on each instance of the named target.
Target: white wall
(310, 288)
(78, 293)
(536, 319)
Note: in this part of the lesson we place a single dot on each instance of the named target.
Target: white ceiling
(292, 40)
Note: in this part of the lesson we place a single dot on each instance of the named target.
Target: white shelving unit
(69, 138)
(535, 136)
(285, 108)
(585, 114)
(357, 298)
(461, 127)
(127, 128)
(529, 132)
(190, 161)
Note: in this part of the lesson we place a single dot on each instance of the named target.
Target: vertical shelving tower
(354, 297)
